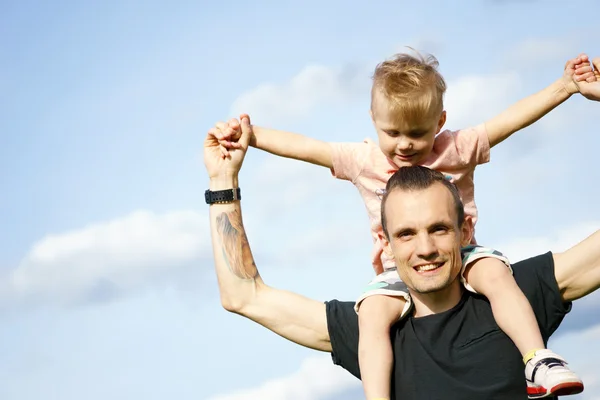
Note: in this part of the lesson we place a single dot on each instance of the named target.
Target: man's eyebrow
(440, 223)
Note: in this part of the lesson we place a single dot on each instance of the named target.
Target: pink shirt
(455, 153)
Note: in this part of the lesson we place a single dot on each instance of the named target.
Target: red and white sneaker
(547, 374)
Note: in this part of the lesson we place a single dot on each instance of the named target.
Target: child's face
(404, 143)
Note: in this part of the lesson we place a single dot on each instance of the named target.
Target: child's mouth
(407, 157)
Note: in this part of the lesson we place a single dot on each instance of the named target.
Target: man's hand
(229, 134)
(221, 162)
(587, 77)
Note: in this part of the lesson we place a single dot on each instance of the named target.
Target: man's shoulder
(342, 325)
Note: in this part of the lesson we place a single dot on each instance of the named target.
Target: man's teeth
(427, 267)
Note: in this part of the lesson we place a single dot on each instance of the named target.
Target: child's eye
(417, 134)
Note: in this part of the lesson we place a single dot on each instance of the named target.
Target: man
(451, 346)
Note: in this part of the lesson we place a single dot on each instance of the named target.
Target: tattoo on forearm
(235, 246)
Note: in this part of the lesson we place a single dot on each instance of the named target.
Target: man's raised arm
(577, 270)
(242, 290)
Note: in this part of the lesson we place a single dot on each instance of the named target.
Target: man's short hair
(419, 178)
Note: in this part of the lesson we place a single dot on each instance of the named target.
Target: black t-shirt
(460, 353)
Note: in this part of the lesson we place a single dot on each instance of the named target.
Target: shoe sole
(562, 389)
(566, 389)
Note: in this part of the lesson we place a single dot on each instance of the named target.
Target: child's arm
(285, 144)
(292, 145)
(530, 109)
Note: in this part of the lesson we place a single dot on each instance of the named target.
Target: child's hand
(587, 77)
(228, 134)
(571, 85)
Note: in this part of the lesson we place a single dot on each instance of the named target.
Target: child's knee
(488, 275)
(380, 310)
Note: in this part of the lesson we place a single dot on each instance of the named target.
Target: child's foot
(548, 375)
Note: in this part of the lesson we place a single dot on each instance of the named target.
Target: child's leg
(375, 357)
(546, 372)
(383, 303)
(512, 311)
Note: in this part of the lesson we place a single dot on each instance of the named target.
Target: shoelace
(548, 362)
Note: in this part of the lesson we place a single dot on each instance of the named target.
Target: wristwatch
(222, 196)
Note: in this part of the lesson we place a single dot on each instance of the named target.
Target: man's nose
(426, 248)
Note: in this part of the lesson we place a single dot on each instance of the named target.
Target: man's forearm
(236, 271)
(525, 112)
(290, 315)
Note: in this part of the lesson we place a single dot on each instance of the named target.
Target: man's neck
(437, 302)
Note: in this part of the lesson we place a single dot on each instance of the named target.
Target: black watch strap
(222, 196)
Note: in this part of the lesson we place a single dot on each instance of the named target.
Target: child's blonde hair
(412, 85)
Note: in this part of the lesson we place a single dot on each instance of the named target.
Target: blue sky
(106, 281)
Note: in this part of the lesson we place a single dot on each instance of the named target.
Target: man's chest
(466, 357)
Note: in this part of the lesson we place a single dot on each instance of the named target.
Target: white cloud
(559, 240)
(143, 249)
(111, 256)
(290, 183)
(316, 379)
(314, 86)
(472, 99)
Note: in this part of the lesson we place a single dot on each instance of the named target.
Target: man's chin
(434, 287)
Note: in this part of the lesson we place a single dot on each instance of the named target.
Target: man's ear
(387, 248)
(466, 231)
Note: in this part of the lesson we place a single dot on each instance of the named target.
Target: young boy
(408, 114)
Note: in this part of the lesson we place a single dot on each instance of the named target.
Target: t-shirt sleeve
(348, 159)
(472, 145)
(342, 323)
(535, 276)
